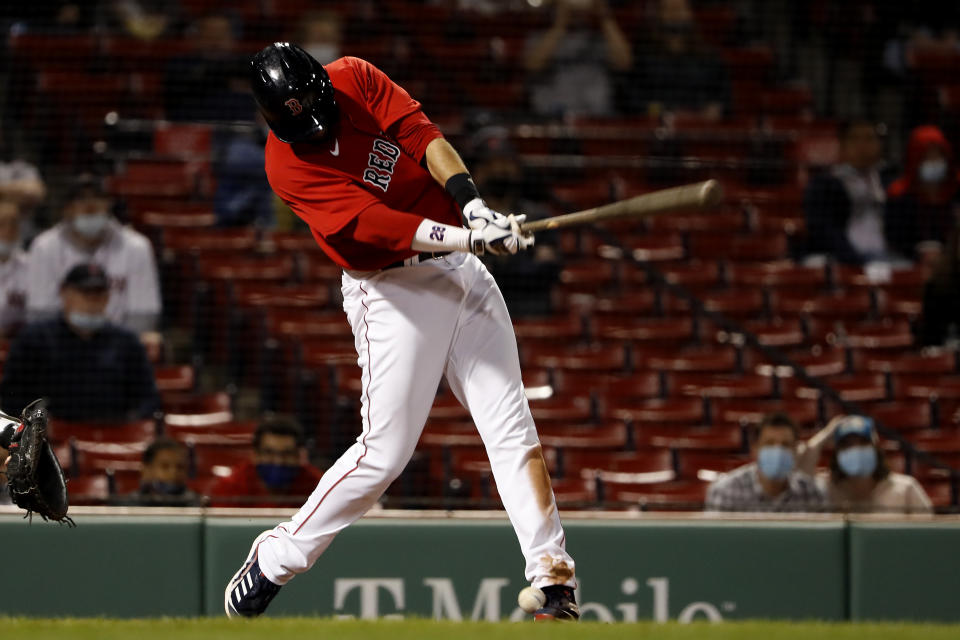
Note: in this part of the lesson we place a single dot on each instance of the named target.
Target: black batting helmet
(293, 92)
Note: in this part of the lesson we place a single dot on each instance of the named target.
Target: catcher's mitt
(34, 476)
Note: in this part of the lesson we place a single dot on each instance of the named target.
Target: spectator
(89, 368)
(526, 280)
(13, 263)
(88, 232)
(569, 66)
(844, 207)
(676, 72)
(142, 19)
(163, 478)
(924, 203)
(859, 478)
(210, 82)
(276, 476)
(321, 35)
(243, 195)
(940, 319)
(20, 181)
(771, 482)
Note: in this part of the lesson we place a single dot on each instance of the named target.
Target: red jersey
(363, 191)
(243, 488)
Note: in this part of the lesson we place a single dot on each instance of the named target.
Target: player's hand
(478, 215)
(501, 237)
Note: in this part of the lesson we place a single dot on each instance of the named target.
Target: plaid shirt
(740, 490)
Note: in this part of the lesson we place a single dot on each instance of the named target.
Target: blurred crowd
(81, 296)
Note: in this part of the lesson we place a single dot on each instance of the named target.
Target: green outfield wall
(469, 568)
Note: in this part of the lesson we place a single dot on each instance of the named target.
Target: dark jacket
(106, 377)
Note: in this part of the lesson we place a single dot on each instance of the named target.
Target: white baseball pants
(411, 326)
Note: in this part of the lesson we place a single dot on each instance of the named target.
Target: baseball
(530, 599)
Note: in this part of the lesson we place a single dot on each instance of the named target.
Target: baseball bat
(700, 195)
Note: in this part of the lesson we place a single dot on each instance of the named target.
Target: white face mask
(933, 171)
(91, 225)
(88, 322)
(324, 52)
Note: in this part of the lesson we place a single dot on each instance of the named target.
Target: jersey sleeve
(414, 132)
(385, 100)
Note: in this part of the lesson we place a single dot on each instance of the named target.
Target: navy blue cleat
(249, 592)
(561, 604)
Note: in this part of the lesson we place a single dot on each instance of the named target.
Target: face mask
(933, 170)
(323, 52)
(161, 488)
(775, 462)
(91, 226)
(6, 249)
(858, 462)
(86, 321)
(277, 476)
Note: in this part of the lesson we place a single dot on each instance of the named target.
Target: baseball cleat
(561, 604)
(249, 592)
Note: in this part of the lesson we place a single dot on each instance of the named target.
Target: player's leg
(403, 322)
(484, 373)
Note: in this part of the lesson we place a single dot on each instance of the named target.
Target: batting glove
(500, 237)
(478, 215)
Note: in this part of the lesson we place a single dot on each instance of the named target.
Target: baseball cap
(855, 426)
(86, 277)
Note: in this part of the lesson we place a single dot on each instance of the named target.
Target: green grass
(310, 628)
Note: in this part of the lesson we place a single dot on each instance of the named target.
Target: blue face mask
(277, 476)
(775, 462)
(86, 321)
(933, 170)
(858, 462)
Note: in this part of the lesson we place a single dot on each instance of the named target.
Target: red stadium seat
(739, 248)
(229, 434)
(708, 360)
(197, 410)
(576, 436)
(738, 302)
(140, 431)
(721, 386)
(707, 465)
(656, 248)
(276, 269)
(563, 409)
(647, 466)
(662, 331)
(632, 304)
(175, 378)
(590, 276)
(777, 275)
(852, 388)
(674, 496)
(568, 329)
(903, 415)
(201, 219)
(837, 304)
(615, 389)
(88, 456)
(667, 411)
(715, 438)
(183, 140)
(933, 363)
(804, 412)
(88, 489)
(303, 325)
(590, 358)
(259, 295)
(241, 240)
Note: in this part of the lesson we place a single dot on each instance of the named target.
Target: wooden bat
(700, 195)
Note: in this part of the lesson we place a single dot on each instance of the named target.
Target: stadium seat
(707, 465)
(804, 412)
(175, 378)
(596, 358)
(903, 415)
(662, 331)
(739, 248)
(663, 411)
(260, 295)
(197, 409)
(852, 388)
(776, 275)
(565, 328)
(139, 431)
(701, 359)
(610, 436)
(715, 438)
(721, 386)
(88, 489)
(88, 456)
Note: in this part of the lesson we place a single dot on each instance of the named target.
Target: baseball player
(90, 233)
(354, 156)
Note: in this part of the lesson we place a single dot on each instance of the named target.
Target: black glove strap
(462, 188)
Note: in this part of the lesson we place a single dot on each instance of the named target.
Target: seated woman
(859, 479)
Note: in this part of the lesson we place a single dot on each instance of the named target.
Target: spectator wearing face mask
(858, 478)
(89, 368)
(321, 35)
(89, 232)
(772, 481)
(13, 263)
(163, 478)
(277, 474)
(924, 203)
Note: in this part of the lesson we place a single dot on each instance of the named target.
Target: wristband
(462, 188)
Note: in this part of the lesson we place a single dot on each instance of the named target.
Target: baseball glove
(34, 476)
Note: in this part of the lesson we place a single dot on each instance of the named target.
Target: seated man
(90, 233)
(277, 475)
(770, 482)
(163, 478)
(89, 368)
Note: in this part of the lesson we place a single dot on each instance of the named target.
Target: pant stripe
(363, 441)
